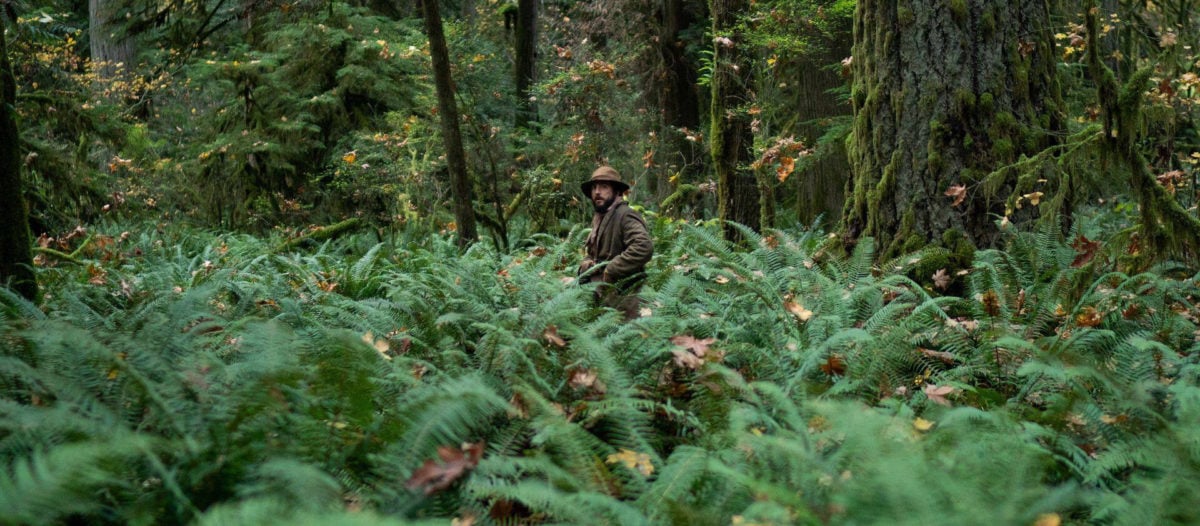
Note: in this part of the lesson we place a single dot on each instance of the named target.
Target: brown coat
(623, 242)
(618, 249)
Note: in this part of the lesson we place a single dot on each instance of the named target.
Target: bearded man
(619, 245)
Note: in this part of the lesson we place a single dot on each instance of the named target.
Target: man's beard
(602, 208)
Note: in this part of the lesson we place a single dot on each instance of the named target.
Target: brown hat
(604, 174)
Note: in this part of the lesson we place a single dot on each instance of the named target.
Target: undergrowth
(178, 376)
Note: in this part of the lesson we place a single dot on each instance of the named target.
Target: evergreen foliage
(208, 378)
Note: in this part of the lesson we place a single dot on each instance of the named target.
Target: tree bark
(821, 190)
(730, 137)
(112, 51)
(678, 97)
(526, 61)
(456, 161)
(945, 92)
(16, 246)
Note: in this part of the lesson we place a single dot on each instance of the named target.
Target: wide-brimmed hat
(604, 174)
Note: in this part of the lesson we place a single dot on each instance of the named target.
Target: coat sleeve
(638, 249)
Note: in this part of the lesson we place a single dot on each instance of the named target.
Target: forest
(318, 262)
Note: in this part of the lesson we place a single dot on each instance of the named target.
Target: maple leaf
(1168, 39)
(639, 462)
(432, 476)
(586, 379)
(1085, 251)
(834, 365)
(958, 192)
(786, 166)
(551, 335)
(380, 345)
(350, 157)
(941, 279)
(696, 346)
(1088, 317)
(937, 393)
(798, 310)
(684, 358)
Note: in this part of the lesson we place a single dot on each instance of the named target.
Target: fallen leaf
(920, 424)
(1085, 250)
(432, 476)
(798, 310)
(834, 365)
(937, 393)
(1048, 519)
(639, 462)
(1088, 317)
(941, 279)
(691, 343)
(685, 358)
(940, 355)
(551, 335)
(350, 157)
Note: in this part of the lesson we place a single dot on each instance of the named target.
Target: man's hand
(586, 265)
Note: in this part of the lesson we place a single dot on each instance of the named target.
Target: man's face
(602, 195)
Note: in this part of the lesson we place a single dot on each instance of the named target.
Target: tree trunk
(730, 135)
(456, 161)
(526, 60)
(112, 51)
(16, 247)
(678, 98)
(822, 182)
(944, 94)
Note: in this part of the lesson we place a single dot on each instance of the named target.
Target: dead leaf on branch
(958, 192)
(432, 477)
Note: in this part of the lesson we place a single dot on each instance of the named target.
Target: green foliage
(180, 376)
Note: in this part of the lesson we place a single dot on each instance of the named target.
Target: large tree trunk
(526, 60)
(16, 247)
(678, 98)
(822, 183)
(944, 93)
(730, 135)
(456, 161)
(112, 51)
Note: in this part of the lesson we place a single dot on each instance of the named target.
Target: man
(619, 245)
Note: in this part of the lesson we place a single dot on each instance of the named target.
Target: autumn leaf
(639, 462)
(380, 345)
(1048, 519)
(350, 157)
(798, 310)
(1088, 317)
(697, 346)
(944, 356)
(834, 365)
(1085, 251)
(937, 393)
(551, 335)
(922, 425)
(958, 192)
(1168, 39)
(586, 379)
(786, 166)
(684, 358)
(941, 279)
(432, 476)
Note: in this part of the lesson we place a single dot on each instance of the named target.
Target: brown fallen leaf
(432, 477)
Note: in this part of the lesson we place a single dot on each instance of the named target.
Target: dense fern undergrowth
(174, 376)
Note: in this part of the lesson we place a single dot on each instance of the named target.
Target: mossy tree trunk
(678, 97)
(456, 160)
(112, 50)
(730, 136)
(526, 60)
(945, 92)
(16, 247)
(821, 190)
